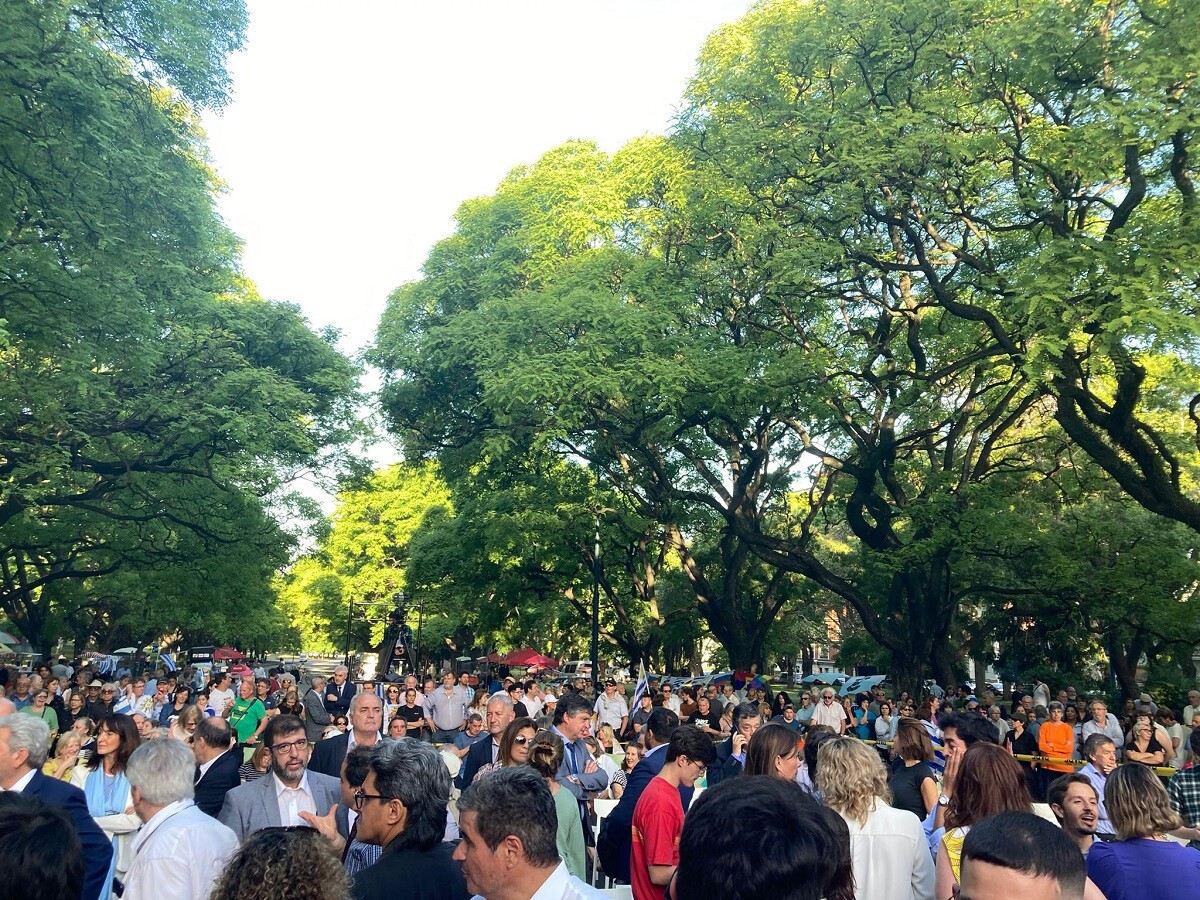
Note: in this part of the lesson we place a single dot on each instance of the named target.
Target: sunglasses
(522, 740)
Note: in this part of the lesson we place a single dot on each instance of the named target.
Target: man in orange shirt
(1056, 739)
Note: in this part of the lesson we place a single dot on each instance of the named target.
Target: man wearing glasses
(290, 790)
(658, 817)
(402, 807)
(669, 698)
(829, 712)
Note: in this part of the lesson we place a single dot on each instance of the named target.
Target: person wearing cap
(93, 706)
(610, 709)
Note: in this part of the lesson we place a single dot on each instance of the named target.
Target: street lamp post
(596, 604)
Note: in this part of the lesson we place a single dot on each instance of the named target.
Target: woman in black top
(1020, 740)
(411, 713)
(782, 700)
(912, 783)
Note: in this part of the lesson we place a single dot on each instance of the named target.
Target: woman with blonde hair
(66, 757)
(889, 855)
(773, 750)
(546, 757)
(1143, 861)
(183, 728)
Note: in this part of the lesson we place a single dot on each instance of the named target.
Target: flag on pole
(641, 685)
(168, 662)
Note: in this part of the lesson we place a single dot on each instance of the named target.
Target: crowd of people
(269, 788)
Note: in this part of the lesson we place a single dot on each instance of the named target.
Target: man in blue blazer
(616, 837)
(279, 797)
(218, 764)
(366, 718)
(24, 744)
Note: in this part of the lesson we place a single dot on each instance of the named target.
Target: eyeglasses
(361, 797)
(522, 740)
(285, 749)
(108, 692)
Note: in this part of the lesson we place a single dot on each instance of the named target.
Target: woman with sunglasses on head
(514, 746)
(103, 782)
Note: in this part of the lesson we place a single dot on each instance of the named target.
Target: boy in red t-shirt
(658, 817)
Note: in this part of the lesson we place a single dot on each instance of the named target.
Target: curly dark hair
(288, 863)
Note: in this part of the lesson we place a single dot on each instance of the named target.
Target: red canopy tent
(530, 657)
(227, 652)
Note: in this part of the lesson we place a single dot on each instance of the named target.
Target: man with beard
(1076, 805)
(290, 790)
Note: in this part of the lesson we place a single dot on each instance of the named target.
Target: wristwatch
(943, 800)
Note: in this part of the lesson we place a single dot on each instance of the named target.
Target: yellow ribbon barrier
(1164, 771)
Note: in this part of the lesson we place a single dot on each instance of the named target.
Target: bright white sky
(357, 128)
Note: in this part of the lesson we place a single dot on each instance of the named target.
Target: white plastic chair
(602, 808)
(619, 891)
(453, 763)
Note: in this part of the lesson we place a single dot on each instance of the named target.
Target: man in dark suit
(338, 692)
(731, 753)
(483, 753)
(24, 743)
(408, 786)
(616, 837)
(366, 718)
(217, 764)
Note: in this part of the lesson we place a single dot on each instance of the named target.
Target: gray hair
(415, 774)
(162, 771)
(1054, 704)
(500, 699)
(110, 686)
(515, 800)
(316, 678)
(1094, 742)
(359, 697)
(342, 669)
(28, 733)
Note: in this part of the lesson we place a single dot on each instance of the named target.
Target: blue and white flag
(168, 662)
(641, 686)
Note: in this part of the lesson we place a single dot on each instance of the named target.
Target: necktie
(349, 841)
(573, 762)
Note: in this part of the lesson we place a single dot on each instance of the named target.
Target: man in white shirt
(180, 852)
(1191, 710)
(611, 709)
(1105, 723)
(220, 694)
(670, 698)
(829, 712)
(529, 864)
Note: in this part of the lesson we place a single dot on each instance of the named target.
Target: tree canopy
(151, 403)
(897, 262)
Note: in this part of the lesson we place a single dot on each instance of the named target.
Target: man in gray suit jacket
(315, 715)
(578, 773)
(279, 798)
